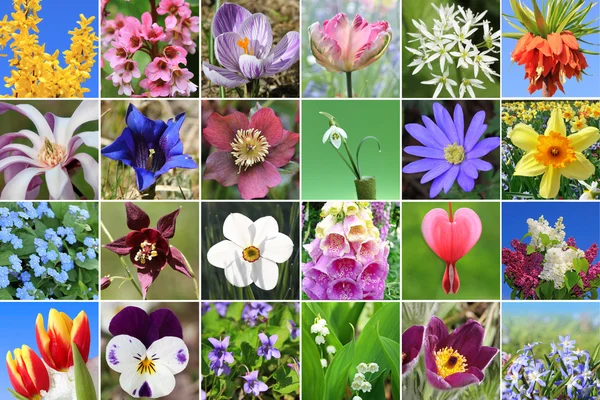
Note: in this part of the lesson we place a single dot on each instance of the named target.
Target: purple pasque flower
(412, 342)
(267, 349)
(150, 147)
(456, 359)
(219, 356)
(244, 47)
(448, 153)
(253, 385)
(294, 331)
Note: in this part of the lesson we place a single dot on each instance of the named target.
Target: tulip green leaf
(17, 395)
(336, 377)
(84, 385)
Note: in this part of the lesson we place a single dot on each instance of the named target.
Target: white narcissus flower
(591, 192)
(335, 134)
(62, 384)
(251, 252)
(147, 372)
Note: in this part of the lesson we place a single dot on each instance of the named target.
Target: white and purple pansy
(244, 48)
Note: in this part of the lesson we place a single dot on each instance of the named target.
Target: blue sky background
(513, 75)
(58, 17)
(18, 328)
(581, 220)
(538, 308)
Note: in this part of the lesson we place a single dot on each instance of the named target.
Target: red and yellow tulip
(27, 373)
(54, 344)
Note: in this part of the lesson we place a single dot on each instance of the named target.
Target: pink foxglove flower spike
(451, 237)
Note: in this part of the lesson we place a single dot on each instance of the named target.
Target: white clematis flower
(252, 251)
(335, 134)
(147, 372)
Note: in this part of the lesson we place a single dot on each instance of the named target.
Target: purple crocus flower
(294, 331)
(412, 341)
(150, 147)
(456, 359)
(134, 321)
(448, 153)
(253, 385)
(244, 48)
(219, 356)
(268, 350)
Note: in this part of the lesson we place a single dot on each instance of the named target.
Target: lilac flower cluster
(565, 372)
(381, 217)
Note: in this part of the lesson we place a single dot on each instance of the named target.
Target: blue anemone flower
(448, 153)
(150, 147)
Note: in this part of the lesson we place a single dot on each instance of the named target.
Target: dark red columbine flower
(149, 248)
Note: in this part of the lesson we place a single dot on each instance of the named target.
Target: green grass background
(479, 269)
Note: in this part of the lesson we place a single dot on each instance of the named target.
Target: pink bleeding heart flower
(451, 238)
(343, 46)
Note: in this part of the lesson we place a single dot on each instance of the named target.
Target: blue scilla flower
(25, 276)
(91, 253)
(4, 282)
(150, 147)
(15, 262)
(80, 256)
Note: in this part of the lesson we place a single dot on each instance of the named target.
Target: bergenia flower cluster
(452, 360)
(565, 373)
(450, 44)
(167, 46)
(548, 267)
(348, 257)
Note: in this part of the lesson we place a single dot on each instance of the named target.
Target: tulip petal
(137, 219)
(229, 18)
(239, 273)
(374, 50)
(222, 254)
(228, 52)
(166, 224)
(556, 123)
(580, 169)
(325, 49)
(43, 341)
(237, 229)
(15, 377)
(171, 354)
(223, 77)
(524, 137)
(584, 138)
(60, 340)
(123, 353)
(550, 183)
(529, 166)
(80, 335)
(278, 248)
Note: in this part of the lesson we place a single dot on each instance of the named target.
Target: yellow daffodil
(578, 123)
(554, 154)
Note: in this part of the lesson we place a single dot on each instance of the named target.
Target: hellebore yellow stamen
(454, 153)
(249, 147)
(449, 361)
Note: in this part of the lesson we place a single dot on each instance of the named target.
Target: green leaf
(290, 168)
(4, 295)
(545, 239)
(539, 20)
(84, 386)
(547, 288)
(528, 234)
(313, 378)
(530, 249)
(571, 279)
(581, 264)
(17, 395)
(336, 377)
(60, 209)
(392, 351)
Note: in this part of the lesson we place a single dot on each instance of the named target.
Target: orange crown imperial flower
(27, 373)
(55, 343)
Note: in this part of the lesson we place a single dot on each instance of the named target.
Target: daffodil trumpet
(365, 186)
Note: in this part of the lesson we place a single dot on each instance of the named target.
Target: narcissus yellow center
(555, 150)
(146, 366)
(146, 252)
(51, 154)
(449, 361)
(245, 44)
(454, 153)
(251, 254)
(249, 147)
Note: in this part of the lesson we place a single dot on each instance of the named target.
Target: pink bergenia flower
(173, 7)
(157, 88)
(343, 46)
(175, 54)
(159, 68)
(151, 31)
(181, 82)
(248, 153)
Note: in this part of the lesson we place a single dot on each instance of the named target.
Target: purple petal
(228, 52)
(252, 67)
(459, 123)
(485, 356)
(413, 338)
(462, 379)
(285, 53)
(437, 328)
(450, 177)
(258, 30)
(134, 321)
(421, 133)
(167, 323)
(273, 339)
(480, 164)
(436, 186)
(229, 18)
(483, 147)
(263, 338)
(178, 161)
(437, 381)
(444, 121)
(437, 133)
(420, 166)
(422, 151)
(223, 77)
(468, 167)
(476, 129)
(467, 340)
(465, 182)
(436, 171)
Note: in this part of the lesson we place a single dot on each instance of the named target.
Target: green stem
(351, 159)
(349, 83)
(187, 266)
(110, 238)
(346, 161)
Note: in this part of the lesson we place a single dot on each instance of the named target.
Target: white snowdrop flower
(362, 368)
(323, 363)
(366, 387)
(319, 340)
(373, 367)
(330, 350)
(359, 377)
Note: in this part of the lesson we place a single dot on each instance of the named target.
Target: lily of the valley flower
(27, 373)
(148, 248)
(52, 152)
(251, 252)
(150, 147)
(554, 154)
(147, 350)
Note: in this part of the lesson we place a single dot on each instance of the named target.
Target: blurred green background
(288, 113)
(423, 270)
(136, 9)
(170, 284)
(324, 174)
(119, 181)
(188, 381)
(12, 121)
(214, 284)
(424, 11)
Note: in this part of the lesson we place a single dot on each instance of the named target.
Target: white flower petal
(90, 139)
(158, 384)
(239, 272)
(222, 254)
(121, 351)
(43, 129)
(60, 130)
(171, 353)
(237, 229)
(277, 248)
(342, 132)
(86, 112)
(16, 188)
(263, 228)
(336, 142)
(328, 133)
(56, 180)
(90, 170)
(265, 274)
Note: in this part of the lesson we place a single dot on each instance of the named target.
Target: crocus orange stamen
(245, 44)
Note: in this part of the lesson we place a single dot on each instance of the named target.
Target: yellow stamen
(245, 44)
(251, 254)
(146, 366)
(248, 148)
(146, 253)
(454, 153)
(449, 361)
(555, 150)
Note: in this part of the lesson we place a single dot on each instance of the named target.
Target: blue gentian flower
(449, 154)
(150, 147)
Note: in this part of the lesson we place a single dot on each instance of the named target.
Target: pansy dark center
(449, 361)
(51, 154)
(245, 44)
(251, 254)
(249, 147)
(146, 366)
(454, 153)
(146, 252)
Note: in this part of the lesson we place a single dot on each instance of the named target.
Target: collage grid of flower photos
(300, 199)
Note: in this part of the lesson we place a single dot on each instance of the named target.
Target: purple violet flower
(221, 308)
(244, 48)
(448, 153)
(256, 312)
(253, 385)
(294, 331)
(412, 342)
(295, 365)
(268, 350)
(219, 356)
